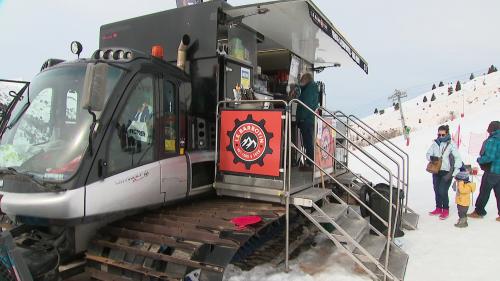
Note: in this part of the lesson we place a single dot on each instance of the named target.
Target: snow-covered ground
(438, 250)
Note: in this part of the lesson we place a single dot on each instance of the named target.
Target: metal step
(346, 178)
(410, 220)
(356, 228)
(398, 261)
(332, 210)
(308, 196)
(356, 208)
(374, 245)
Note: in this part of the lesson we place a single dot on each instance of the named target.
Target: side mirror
(94, 86)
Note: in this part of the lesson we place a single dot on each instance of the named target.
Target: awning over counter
(299, 26)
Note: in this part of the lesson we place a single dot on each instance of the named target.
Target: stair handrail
(398, 179)
(406, 184)
(341, 184)
(371, 168)
(318, 117)
(384, 141)
(366, 164)
(357, 133)
(356, 176)
(371, 143)
(403, 181)
(356, 120)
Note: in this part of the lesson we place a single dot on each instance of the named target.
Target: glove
(434, 158)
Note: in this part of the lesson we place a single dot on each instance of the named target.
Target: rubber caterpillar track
(169, 243)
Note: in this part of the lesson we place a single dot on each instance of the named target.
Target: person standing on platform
(309, 95)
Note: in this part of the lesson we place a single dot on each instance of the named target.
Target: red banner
(250, 142)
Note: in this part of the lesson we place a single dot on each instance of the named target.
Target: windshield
(48, 140)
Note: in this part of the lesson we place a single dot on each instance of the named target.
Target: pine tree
(492, 69)
(441, 84)
(471, 76)
(381, 111)
(433, 86)
(450, 90)
(376, 111)
(425, 99)
(458, 87)
(433, 98)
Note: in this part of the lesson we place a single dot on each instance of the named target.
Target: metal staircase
(392, 152)
(376, 254)
(351, 234)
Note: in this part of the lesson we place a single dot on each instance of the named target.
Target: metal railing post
(287, 180)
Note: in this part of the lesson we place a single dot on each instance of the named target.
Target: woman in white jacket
(443, 147)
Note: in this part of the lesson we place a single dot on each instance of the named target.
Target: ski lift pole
(396, 97)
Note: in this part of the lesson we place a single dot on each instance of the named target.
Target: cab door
(173, 162)
(128, 156)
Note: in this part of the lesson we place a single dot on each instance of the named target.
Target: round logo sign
(249, 141)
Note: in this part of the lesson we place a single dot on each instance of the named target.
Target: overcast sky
(408, 44)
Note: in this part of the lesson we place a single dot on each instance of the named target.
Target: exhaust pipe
(181, 52)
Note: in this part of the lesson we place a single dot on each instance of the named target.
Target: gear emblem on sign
(249, 142)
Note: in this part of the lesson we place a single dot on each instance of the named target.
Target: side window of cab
(132, 142)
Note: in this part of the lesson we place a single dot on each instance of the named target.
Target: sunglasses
(442, 135)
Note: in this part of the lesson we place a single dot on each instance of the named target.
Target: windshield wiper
(10, 108)
(18, 116)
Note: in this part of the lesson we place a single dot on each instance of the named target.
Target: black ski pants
(488, 182)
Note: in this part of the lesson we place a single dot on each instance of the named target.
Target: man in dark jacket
(309, 95)
(489, 160)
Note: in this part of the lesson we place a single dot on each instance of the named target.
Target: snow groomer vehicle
(173, 152)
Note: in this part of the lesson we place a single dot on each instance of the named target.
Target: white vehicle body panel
(68, 204)
(135, 188)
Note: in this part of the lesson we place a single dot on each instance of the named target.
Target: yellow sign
(170, 145)
(245, 78)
